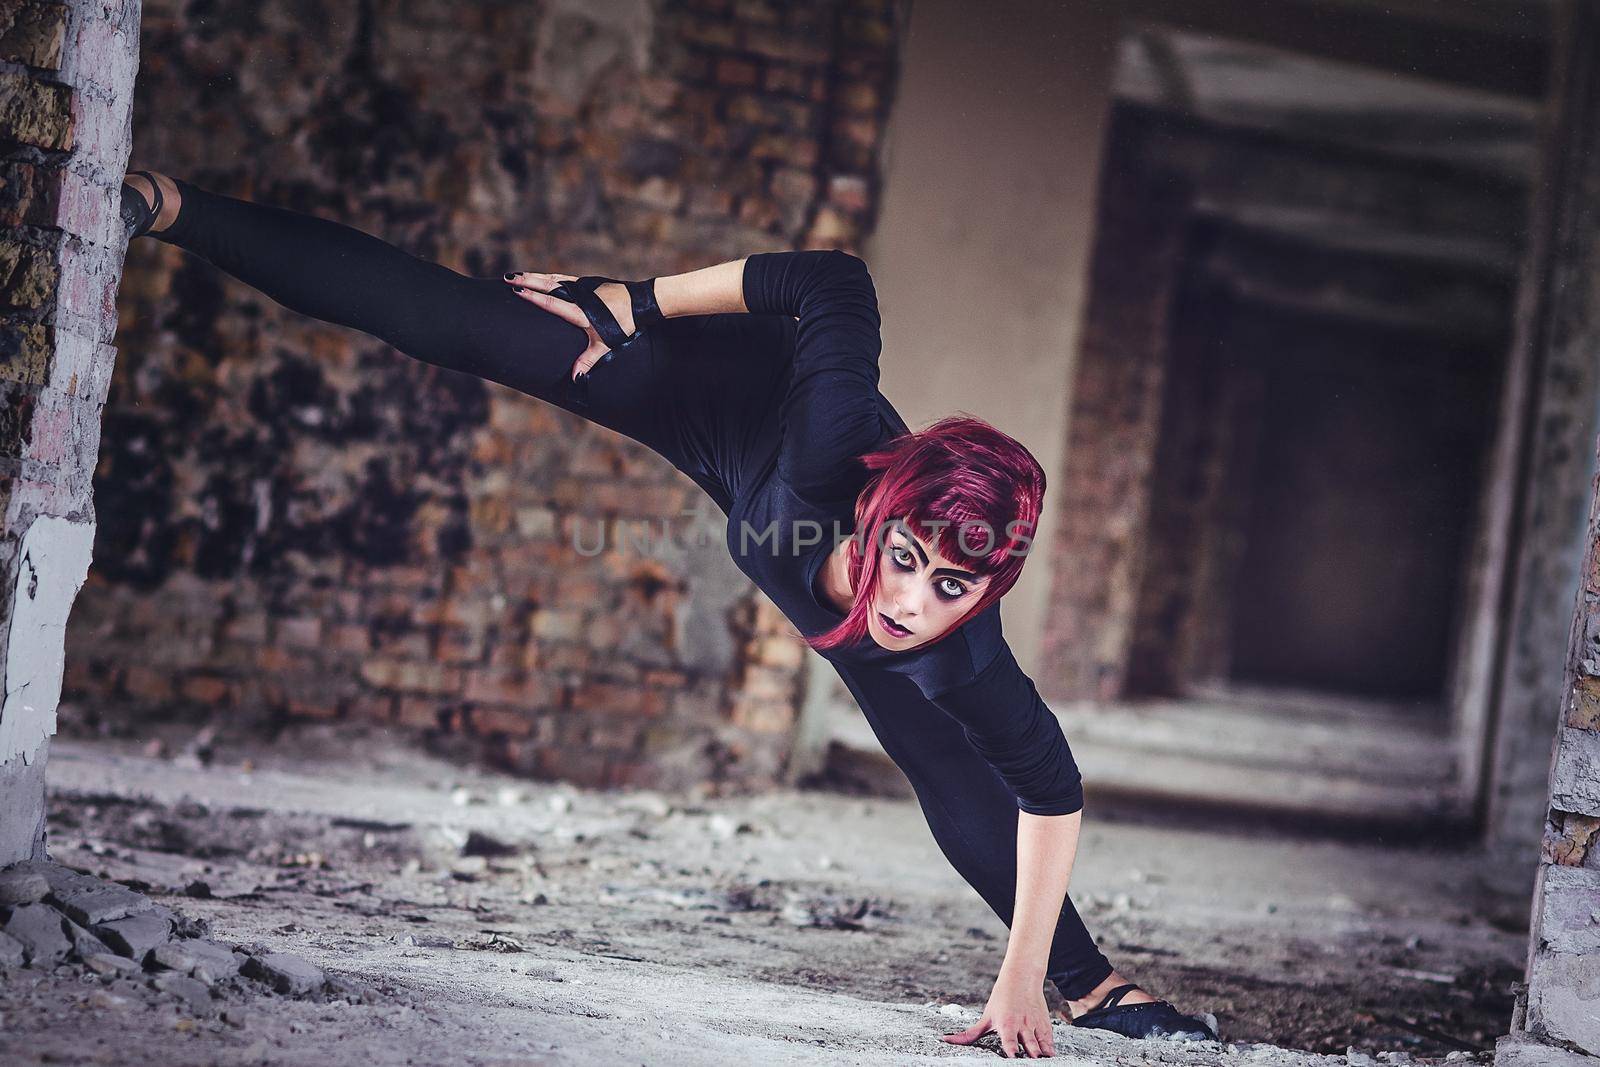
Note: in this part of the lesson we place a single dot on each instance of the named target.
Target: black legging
(682, 408)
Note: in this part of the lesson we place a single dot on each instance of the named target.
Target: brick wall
(66, 73)
(298, 522)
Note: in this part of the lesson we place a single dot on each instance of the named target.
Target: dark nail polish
(508, 276)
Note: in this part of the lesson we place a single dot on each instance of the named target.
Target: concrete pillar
(66, 95)
(1553, 380)
(1558, 1020)
(982, 248)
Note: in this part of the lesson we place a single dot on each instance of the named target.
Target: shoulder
(961, 658)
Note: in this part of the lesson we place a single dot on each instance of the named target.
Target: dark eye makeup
(902, 558)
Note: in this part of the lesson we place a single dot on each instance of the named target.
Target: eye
(902, 557)
(952, 590)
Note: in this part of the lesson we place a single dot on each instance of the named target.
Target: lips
(889, 624)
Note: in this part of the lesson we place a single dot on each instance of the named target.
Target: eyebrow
(954, 572)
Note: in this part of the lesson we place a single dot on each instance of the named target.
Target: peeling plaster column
(1557, 1021)
(66, 97)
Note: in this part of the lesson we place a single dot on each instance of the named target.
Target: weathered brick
(300, 632)
(28, 274)
(410, 676)
(205, 689)
(24, 352)
(502, 720)
(1568, 840)
(501, 686)
(35, 36)
(36, 113)
(147, 683)
(606, 696)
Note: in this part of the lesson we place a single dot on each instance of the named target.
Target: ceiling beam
(1436, 41)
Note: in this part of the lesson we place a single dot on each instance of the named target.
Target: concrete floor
(794, 927)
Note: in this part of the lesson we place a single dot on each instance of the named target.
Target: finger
(1030, 1041)
(563, 309)
(588, 359)
(532, 280)
(1008, 1042)
(970, 1034)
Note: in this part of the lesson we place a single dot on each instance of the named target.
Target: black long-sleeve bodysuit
(767, 412)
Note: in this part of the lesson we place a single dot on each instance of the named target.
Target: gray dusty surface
(502, 921)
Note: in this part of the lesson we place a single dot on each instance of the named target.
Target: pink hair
(981, 486)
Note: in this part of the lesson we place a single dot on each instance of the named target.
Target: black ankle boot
(137, 215)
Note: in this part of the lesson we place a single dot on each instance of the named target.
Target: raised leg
(477, 326)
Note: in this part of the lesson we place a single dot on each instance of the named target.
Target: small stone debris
(112, 966)
(429, 941)
(12, 953)
(195, 995)
(105, 1000)
(479, 843)
(493, 941)
(38, 927)
(646, 803)
(137, 935)
(285, 973)
(21, 886)
(830, 912)
(351, 990)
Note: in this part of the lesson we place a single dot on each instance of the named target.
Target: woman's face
(919, 590)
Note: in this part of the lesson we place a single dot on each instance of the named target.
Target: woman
(889, 550)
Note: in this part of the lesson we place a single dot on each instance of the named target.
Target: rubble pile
(55, 918)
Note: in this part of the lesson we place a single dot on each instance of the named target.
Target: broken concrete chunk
(84, 943)
(137, 935)
(62, 879)
(174, 956)
(21, 885)
(38, 927)
(205, 960)
(101, 902)
(285, 973)
(111, 966)
(193, 993)
(11, 952)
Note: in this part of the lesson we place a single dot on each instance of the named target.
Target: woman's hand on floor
(1018, 1013)
(535, 289)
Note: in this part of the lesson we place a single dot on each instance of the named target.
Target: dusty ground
(503, 921)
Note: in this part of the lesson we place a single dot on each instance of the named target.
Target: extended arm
(1009, 725)
(1046, 848)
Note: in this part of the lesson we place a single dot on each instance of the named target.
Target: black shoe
(138, 216)
(1153, 1019)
